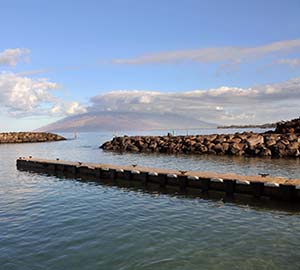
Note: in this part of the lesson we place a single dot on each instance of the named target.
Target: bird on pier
(264, 174)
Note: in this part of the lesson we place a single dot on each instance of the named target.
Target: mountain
(123, 121)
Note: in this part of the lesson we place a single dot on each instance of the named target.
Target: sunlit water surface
(52, 223)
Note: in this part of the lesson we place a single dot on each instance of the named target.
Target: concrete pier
(275, 188)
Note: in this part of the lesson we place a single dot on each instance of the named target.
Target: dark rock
(271, 142)
(235, 140)
(255, 139)
(236, 149)
(225, 146)
(218, 148)
(132, 148)
(264, 152)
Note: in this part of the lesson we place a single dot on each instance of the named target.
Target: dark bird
(264, 174)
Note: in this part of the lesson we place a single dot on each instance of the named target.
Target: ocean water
(52, 223)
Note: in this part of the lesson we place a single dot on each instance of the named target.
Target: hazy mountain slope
(116, 121)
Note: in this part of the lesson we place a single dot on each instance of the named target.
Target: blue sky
(76, 45)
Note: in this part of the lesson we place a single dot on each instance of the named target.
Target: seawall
(29, 137)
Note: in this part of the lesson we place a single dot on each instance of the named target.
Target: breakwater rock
(29, 137)
(238, 144)
(292, 126)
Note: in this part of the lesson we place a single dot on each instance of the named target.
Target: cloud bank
(230, 105)
(22, 96)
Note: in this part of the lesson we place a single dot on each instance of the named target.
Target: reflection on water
(155, 189)
(51, 223)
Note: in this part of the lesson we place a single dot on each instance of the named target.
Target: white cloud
(56, 109)
(68, 108)
(74, 108)
(10, 57)
(229, 58)
(23, 96)
(230, 105)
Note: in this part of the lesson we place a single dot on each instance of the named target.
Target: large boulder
(255, 139)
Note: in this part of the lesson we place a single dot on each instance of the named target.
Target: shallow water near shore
(52, 223)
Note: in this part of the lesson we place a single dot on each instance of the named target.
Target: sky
(227, 62)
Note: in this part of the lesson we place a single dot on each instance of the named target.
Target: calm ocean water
(52, 223)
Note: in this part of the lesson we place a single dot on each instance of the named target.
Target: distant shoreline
(263, 126)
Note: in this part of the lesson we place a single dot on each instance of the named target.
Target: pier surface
(277, 188)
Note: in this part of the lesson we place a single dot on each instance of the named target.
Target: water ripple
(52, 223)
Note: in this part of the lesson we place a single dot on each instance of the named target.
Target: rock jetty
(29, 137)
(283, 142)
